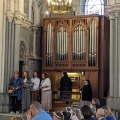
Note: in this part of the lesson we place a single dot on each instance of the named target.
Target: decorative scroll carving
(79, 20)
(61, 65)
(79, 65)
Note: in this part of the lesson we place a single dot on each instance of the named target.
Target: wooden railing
(65, 93)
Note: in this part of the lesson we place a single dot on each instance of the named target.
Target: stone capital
(19, 17)
(116, 13)
(26, 24)
(34, 29)
(9, 16)
(111, 15)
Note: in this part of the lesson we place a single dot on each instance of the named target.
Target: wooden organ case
(77, 44)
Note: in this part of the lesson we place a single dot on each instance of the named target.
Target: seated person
(96, 103)
(61, 116)
(100, 114)
(37, 113)
(109, 115)
(87, 113)
(17, 118)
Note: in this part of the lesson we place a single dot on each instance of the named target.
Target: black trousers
(16, 104)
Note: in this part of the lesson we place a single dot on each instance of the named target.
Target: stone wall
(26, 8)
(34, 65)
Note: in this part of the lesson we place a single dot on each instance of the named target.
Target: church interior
(80, 37)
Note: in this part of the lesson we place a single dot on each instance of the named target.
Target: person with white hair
(37, 113)
(100, 114)
(16, 118)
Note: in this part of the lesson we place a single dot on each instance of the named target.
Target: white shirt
(46, 82)
(36, 82)
(24, 80)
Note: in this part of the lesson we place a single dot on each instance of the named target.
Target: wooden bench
(67, 100)
(65, 93)
(59, 104)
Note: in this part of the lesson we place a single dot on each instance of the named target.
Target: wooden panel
(104, 56)
(93, 77)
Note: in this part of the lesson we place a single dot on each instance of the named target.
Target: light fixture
(47, 13)
(82, 73)
(59, 6)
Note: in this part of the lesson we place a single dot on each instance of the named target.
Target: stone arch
(24, 53)
(35, 13)
(82, 6)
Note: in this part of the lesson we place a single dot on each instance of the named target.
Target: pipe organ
(79, 43)
(76, 44)
(62, 44)
(49, 45)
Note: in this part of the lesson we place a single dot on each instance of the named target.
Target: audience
(17, 118)
(109, 114)
(87, 113)
(57, 116)
(100, 114)
(37, 113)
(63, 115)
(96, 103)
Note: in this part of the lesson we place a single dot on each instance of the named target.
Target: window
(94, 7)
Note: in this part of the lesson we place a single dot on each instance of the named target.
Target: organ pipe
(49, 45)
(79, 43)
(92, 44)
(62, 44)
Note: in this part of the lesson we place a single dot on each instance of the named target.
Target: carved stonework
(22, 50)
(19, 17)
(111, 15)
(10, 16)
(34, 29)
(26, 24)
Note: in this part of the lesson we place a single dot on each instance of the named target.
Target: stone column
(115, 56)
(116, 80)
(2, 45)
(118, 53)
(10, 19)
(17, 44)
(12, 50)
(111, 77)
(34, 29)
(111, 55)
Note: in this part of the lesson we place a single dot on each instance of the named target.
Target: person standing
(15, 84)
(86, 93)
(26, 87)
(36, 82)
(46, 92)
(65, 85)
(37, 113)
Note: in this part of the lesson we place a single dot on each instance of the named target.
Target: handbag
(10, 91)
